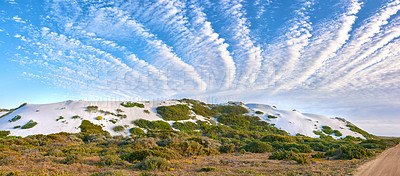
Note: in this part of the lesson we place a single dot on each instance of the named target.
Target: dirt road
(386, 164)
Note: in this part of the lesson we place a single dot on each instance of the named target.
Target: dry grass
(226, 164)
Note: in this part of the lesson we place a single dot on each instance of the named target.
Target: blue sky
(337, 58)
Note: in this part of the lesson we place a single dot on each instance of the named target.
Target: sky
(339, 58)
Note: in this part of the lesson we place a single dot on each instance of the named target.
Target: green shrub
(362, 132)
(92, 108)
(318, 155)
(88, 127)
(272, 117)
(227, 148)
(258, 147)
(290, 155)
(14, 119)
(18, 126)
(186, 126)
(137, 132)
(337, 133)
(4, 133)
(327, 130)
(132, 104)
(154, 125)
(259, 112)
(279, 138)
(229, 109)
(174, 112)
(60, 118)
(152, 163)
(118, 128)
(99, 118)
(297, 147)
(120, 111)
(146, 111)
(71, 159)
(110, 160)
(76, 117)
(30, 124)
(114, 121)
(208, 169)
(350, 152)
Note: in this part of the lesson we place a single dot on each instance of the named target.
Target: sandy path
(386, 164)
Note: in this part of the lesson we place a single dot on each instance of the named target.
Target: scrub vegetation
(239, 144)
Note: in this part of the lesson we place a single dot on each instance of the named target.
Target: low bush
(227, 148)
(30, 124)
(146, 111)
(92, 108)
(132, 104)
(327, 130)
(174, 112)
(114, 121)
(99, 118)
(18, 126)
(318, 155)
(152, 163)
(258, 147)
(259, 112)
(350, 152)
(208, 169)
(229, 109)
(362, 132)
(71, 159)
(290, 155)
(272, 117)
(4, 133)
(14, 119)
(137, 132)
(88, 127)
(76, 117)
(60, 118)
(297, 147)
(110, 160)
(154, 125)
(186, 126)
(337, 133)
(118, 128)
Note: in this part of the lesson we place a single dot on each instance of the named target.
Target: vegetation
(146, 111)
(230, 109)
(60, 118)
(14, 119)
(92, 108)
(12, 110)
(4, 133)
(186, 126)
(362, 132)
(99, 118)
(243, 139)
(259, 112)
(76, 117)
(88, 127)
(337, 133)
(132, 104)
(272, 117)
(119, 128)
(174, 112)
(136, 132)
(153, 125)
(327, 130)
(30, 124)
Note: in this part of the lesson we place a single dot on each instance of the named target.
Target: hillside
(59, 117)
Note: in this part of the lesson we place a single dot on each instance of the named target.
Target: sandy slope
(47, 114)
(386, 164)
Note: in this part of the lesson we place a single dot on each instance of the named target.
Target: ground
(225, 164)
